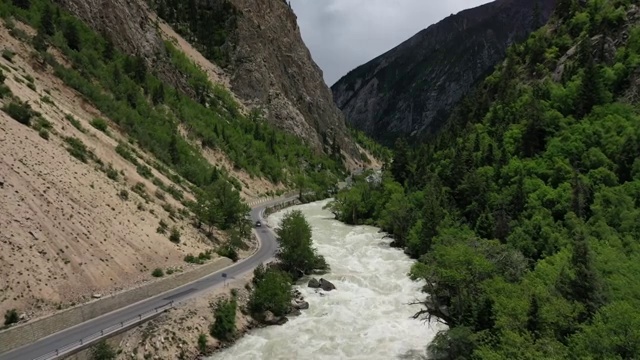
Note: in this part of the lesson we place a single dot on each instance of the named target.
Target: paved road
(51, 343)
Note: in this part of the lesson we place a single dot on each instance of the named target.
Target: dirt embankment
(70, 229)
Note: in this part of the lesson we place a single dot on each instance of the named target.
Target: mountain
(255, 46)
(523, 211)
(130, 144)
(411, 89)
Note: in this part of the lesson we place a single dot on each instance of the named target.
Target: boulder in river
(299, 304)
(271, 319)
(294, 312)
(314, 283)
(326, 285)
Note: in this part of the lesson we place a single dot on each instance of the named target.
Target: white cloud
(343, 34)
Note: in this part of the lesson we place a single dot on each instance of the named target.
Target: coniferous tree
(23, 4)
(534, 322)
(46, 21)
(72, 36)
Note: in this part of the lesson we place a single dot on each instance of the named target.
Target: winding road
(265, 252)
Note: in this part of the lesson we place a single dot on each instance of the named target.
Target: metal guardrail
(82, 342)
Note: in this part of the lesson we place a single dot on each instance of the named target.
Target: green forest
(523, 213)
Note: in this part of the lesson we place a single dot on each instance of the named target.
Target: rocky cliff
(411, 89)
(257, 44)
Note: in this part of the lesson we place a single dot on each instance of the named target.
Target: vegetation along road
(265, 252)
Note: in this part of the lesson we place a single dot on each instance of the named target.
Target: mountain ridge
(410, 89)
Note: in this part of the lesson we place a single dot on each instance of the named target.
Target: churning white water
(366, 317)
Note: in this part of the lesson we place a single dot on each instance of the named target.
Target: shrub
(100, 124)
(139, 189)
(76, 124)
(162, 228)
(175, 235)
(8, 55)
(77, 149)
(205, 255)
(157, 273)
(19, 111)
(47, 100)
(2, 77)
(272, 293)
(103, 351)
(144, 170)
(160, 195)
(112, 173)
(124, 195)
(202, 343)
(124, 151)
(224, 325)
(11, 317)
(42, 123)
(170, 271)
(32, 86)
(228, 251)
(44, 134)
(4, 91)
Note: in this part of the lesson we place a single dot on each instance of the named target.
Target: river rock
(295, 312)
(326, 285)
(314, 283)
(303, 305)
(299, 304)
(271, 319)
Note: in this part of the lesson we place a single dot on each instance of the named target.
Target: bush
(145, 171)
(42, 123)
(11, 317)
(157, 273)
(100, 124)
(19, 111)
(224, 325)
(103, 351)
(77, 149)
(193, 260)
(175, 235)
(228, 251)
(76, 124)
(8, 55)
(4, 91)
(160, 195)
(162, 228)
(202, 344)
(124, 195)
(44, 134)
(112, 173)
(272, 293)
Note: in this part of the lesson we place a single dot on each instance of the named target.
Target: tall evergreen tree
(46, 21)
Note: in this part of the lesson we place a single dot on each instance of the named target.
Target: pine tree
(72, 36)
(534, 323)
(174, 152)
(46, 21)
(586, 286)
(400, 164)
(23, 4)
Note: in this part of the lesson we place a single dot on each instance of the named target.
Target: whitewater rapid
(367, 317)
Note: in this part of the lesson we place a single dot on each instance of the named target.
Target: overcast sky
(343, 34)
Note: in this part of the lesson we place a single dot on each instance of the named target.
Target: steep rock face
(270, 65)
(264, 56)
(128, 25)
(411, 89)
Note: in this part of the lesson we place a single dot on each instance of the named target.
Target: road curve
(265, 252)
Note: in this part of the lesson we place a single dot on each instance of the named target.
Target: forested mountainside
(123, 154)
(523, 214)
(411, 89)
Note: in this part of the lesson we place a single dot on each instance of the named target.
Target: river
(367, 317)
